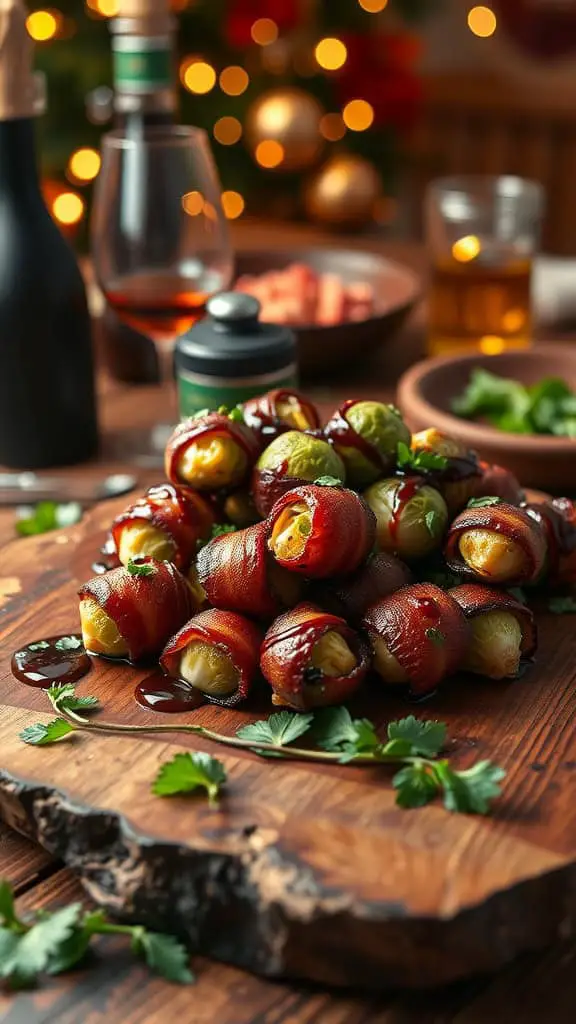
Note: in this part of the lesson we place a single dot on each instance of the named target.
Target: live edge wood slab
(304, 871)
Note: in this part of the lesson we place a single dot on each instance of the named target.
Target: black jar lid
(232, 342)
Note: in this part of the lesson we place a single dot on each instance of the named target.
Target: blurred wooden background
(478, 123)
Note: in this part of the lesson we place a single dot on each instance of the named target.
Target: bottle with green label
(232, 356)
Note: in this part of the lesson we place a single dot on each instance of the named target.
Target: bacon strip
(343, 530)
(287, 650)
(180, 512)
(146, 609)
(475, 599)
(236, 635)
(424, 629)
(262, 415)
(507, 521)
(351, 596)
(214, 423)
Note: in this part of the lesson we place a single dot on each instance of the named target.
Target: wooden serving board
(304, 870)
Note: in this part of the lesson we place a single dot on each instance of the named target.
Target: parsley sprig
(420, 460)
(52, 942)
(413, 743)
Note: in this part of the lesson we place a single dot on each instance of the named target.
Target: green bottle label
(142, 65)
(197, 392)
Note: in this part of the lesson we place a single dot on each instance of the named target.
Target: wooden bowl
(396, 290)
(425, 393)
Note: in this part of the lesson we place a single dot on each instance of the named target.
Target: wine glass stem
(166, 375)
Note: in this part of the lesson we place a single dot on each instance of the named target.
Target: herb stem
(291, 753)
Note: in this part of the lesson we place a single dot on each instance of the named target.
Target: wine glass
(160, 240)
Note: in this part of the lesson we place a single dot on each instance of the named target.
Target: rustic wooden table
(541, 987)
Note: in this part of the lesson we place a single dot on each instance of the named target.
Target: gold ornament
(344, 193)
(283, 129)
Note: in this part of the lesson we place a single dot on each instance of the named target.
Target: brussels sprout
(492, 555)
(433, 440)
(411, 516)
(301, 456)
(100, 633)
(496, 648)
(141, 539)
(210, 462)
(332, 656)
(209, 669)
(366, 436)
(240, 509)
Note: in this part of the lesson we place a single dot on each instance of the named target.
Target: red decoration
(544, 29)
(380, 69)
(243, 14)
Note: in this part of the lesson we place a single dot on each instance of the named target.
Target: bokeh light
(482, 21)
(107, 8)
(269, 153)
(68, 208)
(373, 6)
(332, 127)
(491, 345)
(466, 249)
(331, 54)
(193, 203)
(42, 25)
(234, 80)
(198, 76)
(227, 130)
(233, 204)
(358, 115)
(84, 164)
(264, 31)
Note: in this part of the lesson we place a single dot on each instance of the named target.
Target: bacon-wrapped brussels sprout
(366, 436)
(312, 659)
(131, 612)
(321, 531)
(498, 482)
(237, 573)
(457, 477)
(166, 524)
(503, 631)
(289, 461)
(351, 596)
(216, 653)
(239, 508)
(411, 516)
(418, 636)
(278, 411)
(496, 543)
(558, 521)
(211, 452)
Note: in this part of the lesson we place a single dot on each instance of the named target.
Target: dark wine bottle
(145, 96)
(47, 400)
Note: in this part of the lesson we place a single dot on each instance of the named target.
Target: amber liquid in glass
(160, 304)
(482, 305)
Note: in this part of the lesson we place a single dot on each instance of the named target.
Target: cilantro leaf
(472, 790)
(280, 729)
(200, 414)
(187, 772)
(236, 414)
(562, 605)
(488, 499)
(420, 459)
(335, 730)
(140, 568)
(220, 528)
(164, 955)
(69, 952)
(328, 481)
(436, 636)
(68, 643)
(9, 942)
(43, 940)
(416, 786)
(64, 695)
(47, 516)
(42, 645)
(425, 737)
(41, 734)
